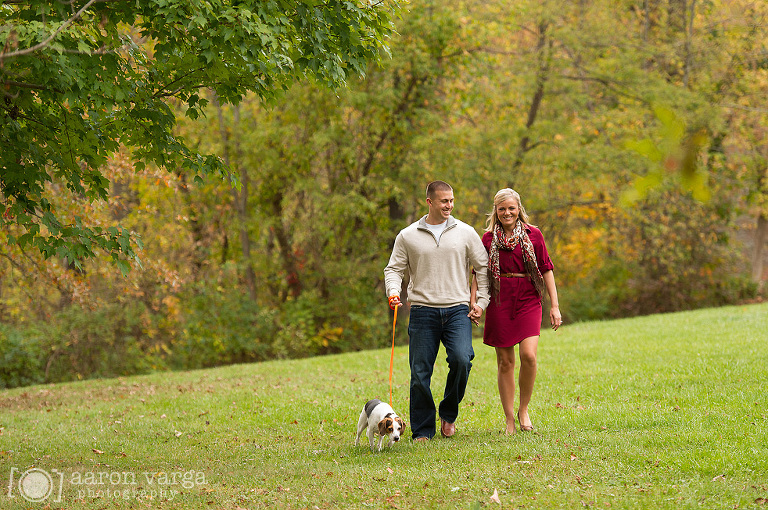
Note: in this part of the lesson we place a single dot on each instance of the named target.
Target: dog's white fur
(379, 418)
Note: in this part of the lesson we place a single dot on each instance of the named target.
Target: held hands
(394, 301)
(555, 318)
(474, 313)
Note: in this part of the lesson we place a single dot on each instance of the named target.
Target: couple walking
(510, 270)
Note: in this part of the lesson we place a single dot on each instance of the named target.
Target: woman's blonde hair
(502, 196)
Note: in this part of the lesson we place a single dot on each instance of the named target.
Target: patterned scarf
(502, 242)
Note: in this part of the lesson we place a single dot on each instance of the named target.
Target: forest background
(635, 131)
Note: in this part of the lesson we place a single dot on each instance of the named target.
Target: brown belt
(514, 275)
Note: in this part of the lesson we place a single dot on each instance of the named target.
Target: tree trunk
(199, 243)
(543, 48)
(285, 244)
(240, 198)
(758, 257)
(690, 12)
(676, 10)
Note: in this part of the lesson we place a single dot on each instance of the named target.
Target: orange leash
(392, 357)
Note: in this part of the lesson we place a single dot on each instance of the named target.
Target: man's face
(441, 204)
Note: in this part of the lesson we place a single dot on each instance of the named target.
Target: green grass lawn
(664, 411)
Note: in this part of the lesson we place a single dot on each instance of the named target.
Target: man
(439, 253)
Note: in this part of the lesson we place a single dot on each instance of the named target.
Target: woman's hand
(555, 318)
(554, 312)
(474, 313)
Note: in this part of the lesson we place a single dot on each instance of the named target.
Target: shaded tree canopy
(81, 79)
(634, 131)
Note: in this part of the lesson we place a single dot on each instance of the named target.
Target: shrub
(115, 339)
(220, 328)
(21, 358)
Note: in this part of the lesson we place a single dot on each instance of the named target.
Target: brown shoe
(524, 428)
(447, 429)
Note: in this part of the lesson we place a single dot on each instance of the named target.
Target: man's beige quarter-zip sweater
(440, 270)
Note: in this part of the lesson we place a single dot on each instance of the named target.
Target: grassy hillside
(663, 411)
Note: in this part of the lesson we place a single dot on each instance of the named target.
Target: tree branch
(32, 86)
(567, 205)
(162, 90)
(50, 38)
(479, 49)
(609, 84)
(18, 114)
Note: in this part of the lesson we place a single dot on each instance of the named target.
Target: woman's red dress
(515, 314)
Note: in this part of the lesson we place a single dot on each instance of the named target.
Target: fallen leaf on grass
(573, 457)
(495, 497)
(94, 450)
(177, 433)
(761, 501)
(718, 477)
(389, 469)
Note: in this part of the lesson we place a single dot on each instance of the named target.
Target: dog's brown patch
(401, 422)
(386, 426)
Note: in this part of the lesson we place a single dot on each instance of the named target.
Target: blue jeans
(427, 327)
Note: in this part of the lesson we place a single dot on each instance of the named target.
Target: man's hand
(394, 301)
(474, 313)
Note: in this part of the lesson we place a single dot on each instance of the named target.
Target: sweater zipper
(437, 241)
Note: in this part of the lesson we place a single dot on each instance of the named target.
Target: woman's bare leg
(528, 349)
(505, 361)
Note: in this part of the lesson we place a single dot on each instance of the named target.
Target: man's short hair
(435, 186)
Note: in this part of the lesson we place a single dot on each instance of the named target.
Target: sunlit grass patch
(662, 411)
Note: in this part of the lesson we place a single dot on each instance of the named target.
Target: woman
(520, 270)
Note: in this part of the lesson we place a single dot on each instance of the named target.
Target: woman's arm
(554, 312)
(474, 315)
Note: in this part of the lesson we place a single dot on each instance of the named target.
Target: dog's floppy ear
(385, 426)
(401, 422)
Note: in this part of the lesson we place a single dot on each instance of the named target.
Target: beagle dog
(379, 417)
